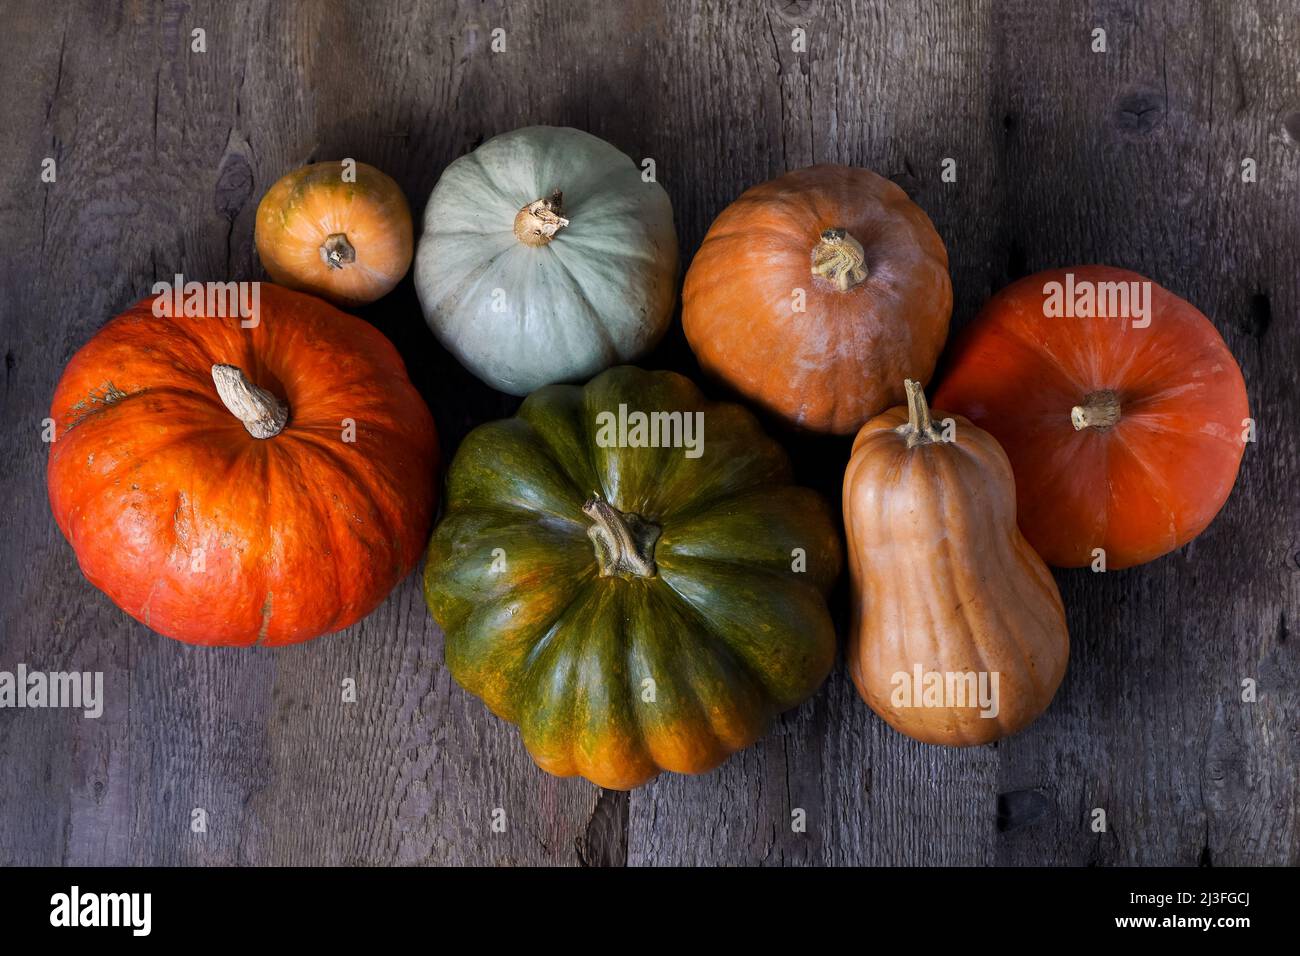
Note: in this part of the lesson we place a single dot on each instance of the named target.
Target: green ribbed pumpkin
(632, 609)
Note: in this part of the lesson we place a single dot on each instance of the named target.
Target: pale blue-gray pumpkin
(546, 256)
(632, 609)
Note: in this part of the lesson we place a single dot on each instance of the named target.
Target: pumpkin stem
(920, 428)
(840, 258)
(1099, 410)
(262, 413)
(539, 221)
(336, 251)
(625, 543)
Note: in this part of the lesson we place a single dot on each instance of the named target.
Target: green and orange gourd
(632, 609)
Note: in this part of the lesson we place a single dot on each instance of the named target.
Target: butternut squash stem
(840, 258)
(537, 223)
(263, 415)
(920, 428)
(624, 542)
(336, 251)
(1099, 411)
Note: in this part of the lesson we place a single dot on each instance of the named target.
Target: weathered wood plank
(869, 795)
(1133, 157)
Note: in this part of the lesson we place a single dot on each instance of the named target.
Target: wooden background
(1130, 157)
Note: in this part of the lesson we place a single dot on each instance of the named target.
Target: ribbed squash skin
(520, 317)
(942, 577)
(729, 634)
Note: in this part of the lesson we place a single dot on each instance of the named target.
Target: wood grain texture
(1131, 157)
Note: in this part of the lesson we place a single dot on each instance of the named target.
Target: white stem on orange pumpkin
(336, 251)
(625, 543)
(1099, 410)
(537, 223)
(920, 428)
(263, 415)
(840, 258)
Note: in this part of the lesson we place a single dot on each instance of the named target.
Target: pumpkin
(340, 231)
(1125, 429)
(632, 607)
(232, 485)
(958, 634)
(546, 257)
(815, 294)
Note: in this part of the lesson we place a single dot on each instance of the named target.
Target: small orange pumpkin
(342, 237)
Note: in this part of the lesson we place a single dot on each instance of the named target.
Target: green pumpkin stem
(625, 543)
(920, 428)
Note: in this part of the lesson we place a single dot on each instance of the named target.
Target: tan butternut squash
(958, 633)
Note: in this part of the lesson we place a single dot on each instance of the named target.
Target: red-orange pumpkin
(816, 294)
(1124, 436)
(231, 485)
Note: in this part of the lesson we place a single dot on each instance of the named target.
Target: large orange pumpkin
(232, 485)
(338, 231)
(816, 294)
(1125, 429)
